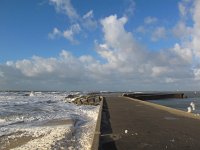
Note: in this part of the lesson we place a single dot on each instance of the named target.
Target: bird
(192, 105)
(189, 109)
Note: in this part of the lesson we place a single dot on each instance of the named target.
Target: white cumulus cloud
(88, 20)
(184, 53)
(150, 20)
(196, 28)
(131, 8)
(159, 33)
(55, 33)
(67, 34)
(65, 6)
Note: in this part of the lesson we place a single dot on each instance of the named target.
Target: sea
(192, 98)
(45, 120)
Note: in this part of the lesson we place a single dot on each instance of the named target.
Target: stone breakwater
(88, 100)
(154, 96)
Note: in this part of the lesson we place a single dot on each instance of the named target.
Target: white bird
(192, 105)
(189, 109)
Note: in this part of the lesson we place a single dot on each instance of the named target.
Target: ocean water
(45, 120)
(182, 104)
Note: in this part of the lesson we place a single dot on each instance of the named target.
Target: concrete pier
(129, 124)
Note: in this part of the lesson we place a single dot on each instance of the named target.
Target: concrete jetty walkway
(129, 124)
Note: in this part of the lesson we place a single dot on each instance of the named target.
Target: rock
(126, 131)
(70, 96)
(88, 100)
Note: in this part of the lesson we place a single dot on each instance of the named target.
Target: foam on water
(2, 121)
(27, 116)
(47, 137)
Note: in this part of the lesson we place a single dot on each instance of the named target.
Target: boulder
(70, 96)
(88, 100)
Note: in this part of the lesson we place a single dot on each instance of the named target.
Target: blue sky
(99, 45)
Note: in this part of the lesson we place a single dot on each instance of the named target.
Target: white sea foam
(2, 121)
(31, 94)
(26, 114)
(47, 137)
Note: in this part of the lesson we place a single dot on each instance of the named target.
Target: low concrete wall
(96, 136)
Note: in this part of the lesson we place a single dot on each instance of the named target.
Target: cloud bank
(125, 63)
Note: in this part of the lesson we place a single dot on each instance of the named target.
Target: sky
(90, 45)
